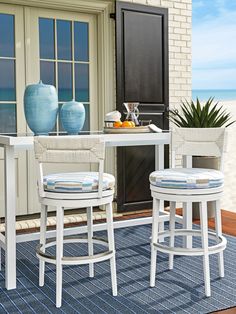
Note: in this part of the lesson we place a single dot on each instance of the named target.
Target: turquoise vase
(72, 116)
(41, 107)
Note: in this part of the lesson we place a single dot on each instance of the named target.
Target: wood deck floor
(228, 223)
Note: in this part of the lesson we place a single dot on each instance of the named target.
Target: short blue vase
(72, 115)
(41, 107)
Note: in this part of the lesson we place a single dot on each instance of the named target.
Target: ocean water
(64, 94)
(218, 94)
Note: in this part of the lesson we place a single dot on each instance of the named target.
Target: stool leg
(204, 231)
(155, 218)
(111, 243)
(188, 222)
(59, 254)
(90, 238)
(218, 227)
(43, 229)
(161, 226)
(172, 232)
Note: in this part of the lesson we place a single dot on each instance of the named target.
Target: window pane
(81, 41)
(7, 80)
(47, 72)
(46, 38)
(82, 82)
(86, 126)
(7, 118)
(61, 129)
(64, 81)
(7, 37)
(64, 40)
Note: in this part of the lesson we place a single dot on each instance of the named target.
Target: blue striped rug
(178, 291)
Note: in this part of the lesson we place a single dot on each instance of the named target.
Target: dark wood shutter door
(138, 70)
(142, 76)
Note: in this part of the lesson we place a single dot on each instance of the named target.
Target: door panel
(12, 83)
(138, 70)
(136, 164)
(62, 45)
(142, 76)
(136, 190)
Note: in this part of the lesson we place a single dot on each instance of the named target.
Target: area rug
(178, 291)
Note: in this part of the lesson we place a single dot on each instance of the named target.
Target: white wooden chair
(190, 185)
(73, 190)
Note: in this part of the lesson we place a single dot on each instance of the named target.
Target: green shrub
(197, 115)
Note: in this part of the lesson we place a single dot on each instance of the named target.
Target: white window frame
(20, 157)
(32, 52)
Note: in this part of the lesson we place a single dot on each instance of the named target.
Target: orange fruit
(117, 124)
(127, 124)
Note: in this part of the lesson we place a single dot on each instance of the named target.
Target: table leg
(10, 218)
(159, 164)
(159, 157)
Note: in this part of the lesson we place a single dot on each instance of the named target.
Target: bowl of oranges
(124, 127)
(124, 124)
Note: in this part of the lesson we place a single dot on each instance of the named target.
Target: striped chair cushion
(77, 182)
(187, 178)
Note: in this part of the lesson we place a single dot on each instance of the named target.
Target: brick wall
(180, 24)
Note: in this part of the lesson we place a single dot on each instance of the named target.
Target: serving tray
(137, 129)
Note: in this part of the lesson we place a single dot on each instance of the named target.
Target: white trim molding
(88, 6)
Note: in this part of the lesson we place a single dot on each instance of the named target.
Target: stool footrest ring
(213, 249)
(75, 260)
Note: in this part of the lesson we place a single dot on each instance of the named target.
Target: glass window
(7, 118)
(82, 82)
(81, 41)
(65, 81)
(47, 72)
(69, 71)
(59, 116)
(86, 126)
(7, 80)
(64, 40)
(7, 36)
(46, 38)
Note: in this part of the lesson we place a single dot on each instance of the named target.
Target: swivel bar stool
(190, 185)
(74, 190)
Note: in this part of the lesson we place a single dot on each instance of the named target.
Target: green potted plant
(196, 115)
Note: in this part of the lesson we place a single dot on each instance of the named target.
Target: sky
(214, 44)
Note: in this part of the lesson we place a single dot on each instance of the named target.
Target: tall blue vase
(72, 116)
(41, 107)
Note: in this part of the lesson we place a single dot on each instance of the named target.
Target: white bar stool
(74, 190)
(190, 185)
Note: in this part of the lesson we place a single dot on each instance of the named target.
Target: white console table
(25, 142)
